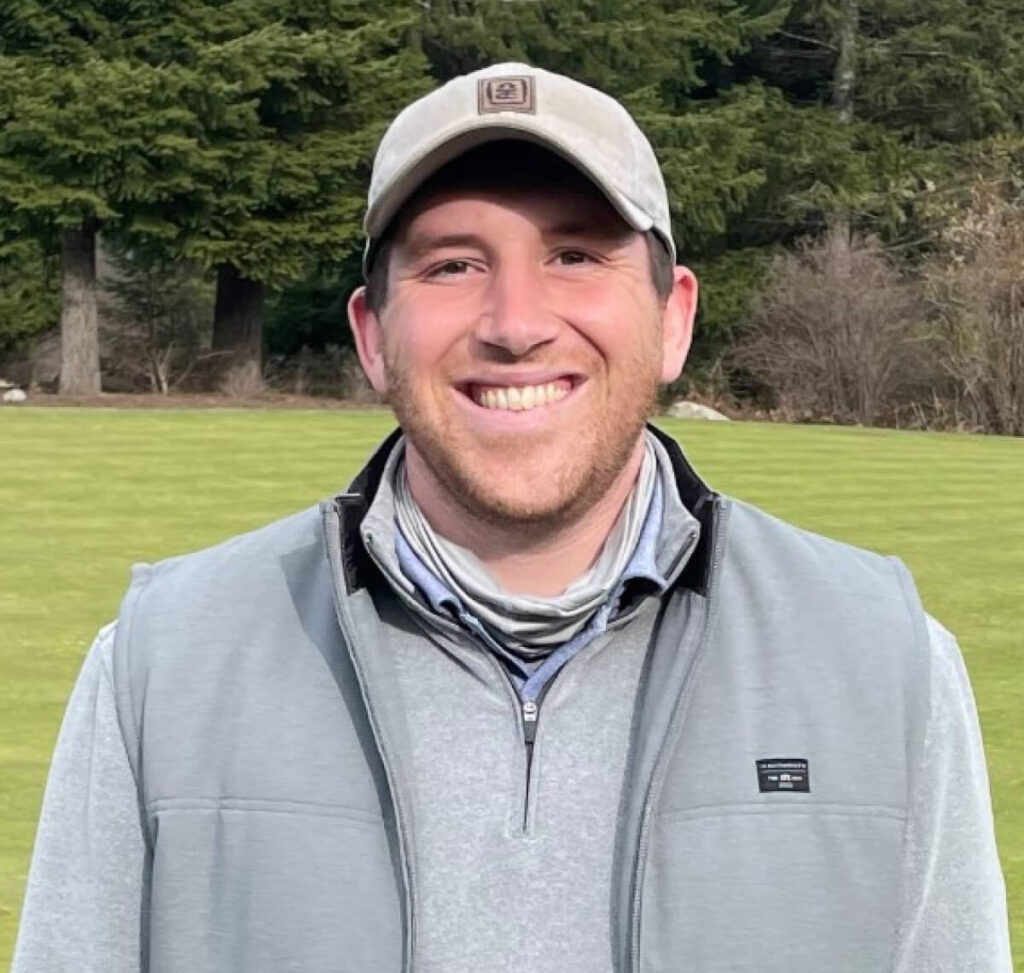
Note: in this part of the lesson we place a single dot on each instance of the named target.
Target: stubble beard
(581, 484)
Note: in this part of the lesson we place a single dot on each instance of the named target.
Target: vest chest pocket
(260, 886)
(771, 887)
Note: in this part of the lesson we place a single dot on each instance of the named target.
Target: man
(528, 696)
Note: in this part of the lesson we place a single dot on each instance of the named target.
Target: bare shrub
(832, 340)
(707, 382)
(355, 385)
(976, 293)
(156, 321)
(244, 381)
(334, 373)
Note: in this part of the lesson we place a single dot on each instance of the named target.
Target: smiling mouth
(519, 398)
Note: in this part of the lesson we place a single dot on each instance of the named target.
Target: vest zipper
(348, 629)
(671, 737)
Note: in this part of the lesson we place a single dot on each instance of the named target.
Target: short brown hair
(504, 163)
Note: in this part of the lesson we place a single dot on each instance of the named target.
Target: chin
(522, 506)
(527, 516)
(528, 497)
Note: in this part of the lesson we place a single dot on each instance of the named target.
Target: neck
(542, 564)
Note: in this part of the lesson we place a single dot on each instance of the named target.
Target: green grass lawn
(86, 492)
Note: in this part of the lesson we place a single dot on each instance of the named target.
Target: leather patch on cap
(509, 93)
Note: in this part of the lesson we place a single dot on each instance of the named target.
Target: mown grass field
(85, 492)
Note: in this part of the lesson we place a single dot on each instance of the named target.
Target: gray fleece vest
(762, 818)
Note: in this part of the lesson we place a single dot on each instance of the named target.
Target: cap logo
(510, 93)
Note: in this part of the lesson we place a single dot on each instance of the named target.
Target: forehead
(509, 170)
(580, 210)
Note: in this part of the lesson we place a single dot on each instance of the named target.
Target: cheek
(626, 332)
(418, 341)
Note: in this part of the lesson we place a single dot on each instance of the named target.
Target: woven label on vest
(779, 774)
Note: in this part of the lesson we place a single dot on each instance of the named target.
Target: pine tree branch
(808, 40)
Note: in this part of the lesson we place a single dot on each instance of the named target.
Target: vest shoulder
(803, 556)
(233, 570)
(277, 538)
(237, 598)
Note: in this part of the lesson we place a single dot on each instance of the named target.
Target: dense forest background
(182, 183)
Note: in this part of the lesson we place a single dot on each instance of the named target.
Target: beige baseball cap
(586, 127)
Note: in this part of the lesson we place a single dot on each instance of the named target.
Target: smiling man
(528, 696)
(520, 337)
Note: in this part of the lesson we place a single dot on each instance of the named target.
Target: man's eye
(572, 257)
(450, 268)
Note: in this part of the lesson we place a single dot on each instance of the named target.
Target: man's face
(521, 347)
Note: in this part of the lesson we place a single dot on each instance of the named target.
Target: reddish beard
(578, 485)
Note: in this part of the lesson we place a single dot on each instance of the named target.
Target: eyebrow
(423, 243)
(601, 230)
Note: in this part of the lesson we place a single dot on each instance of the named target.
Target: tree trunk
(238, 321)
(843, 80)
(845, 75)
(79, 327)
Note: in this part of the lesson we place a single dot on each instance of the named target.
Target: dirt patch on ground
(208, 400)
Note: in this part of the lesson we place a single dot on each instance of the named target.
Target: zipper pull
(530, 711)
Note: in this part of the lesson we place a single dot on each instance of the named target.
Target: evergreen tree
(942, 71)
(238, 134)
(29, 292)
(235, 134)
(320, 80)
(914, 80)
(88, 131)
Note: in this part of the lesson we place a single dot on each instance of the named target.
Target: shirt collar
(437, 594)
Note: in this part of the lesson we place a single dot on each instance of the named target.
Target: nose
(516, 318)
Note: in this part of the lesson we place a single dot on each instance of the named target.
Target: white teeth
(520, 398)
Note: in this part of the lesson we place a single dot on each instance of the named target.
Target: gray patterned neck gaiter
(523, 622)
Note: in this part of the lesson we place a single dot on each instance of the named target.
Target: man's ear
(366, 330)
(677, 323)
